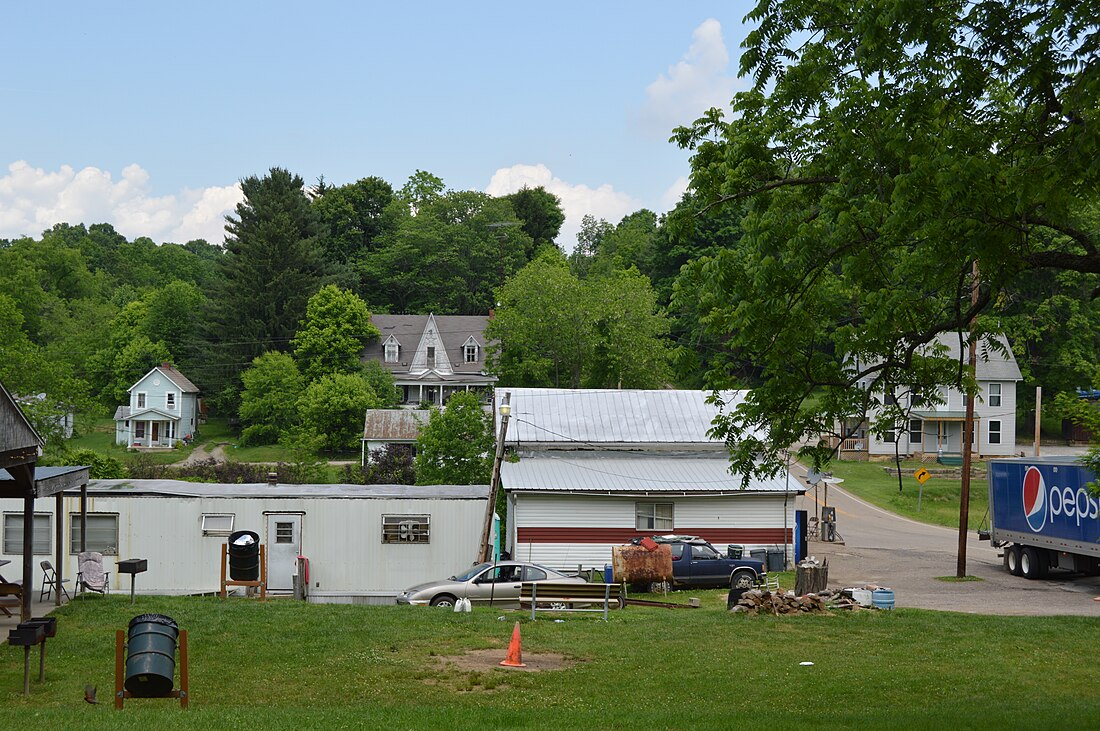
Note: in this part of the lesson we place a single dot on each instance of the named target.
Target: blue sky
(146, 115)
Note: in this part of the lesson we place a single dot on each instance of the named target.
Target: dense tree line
(725, 290)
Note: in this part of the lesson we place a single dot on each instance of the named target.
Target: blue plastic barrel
(608, 574)
(883, 598)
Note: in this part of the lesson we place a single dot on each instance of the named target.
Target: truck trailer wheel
(1031, 562)
(1012, 559)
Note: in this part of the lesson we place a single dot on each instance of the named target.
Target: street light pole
(485, 551)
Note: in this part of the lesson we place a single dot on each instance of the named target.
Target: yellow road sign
(922, 475)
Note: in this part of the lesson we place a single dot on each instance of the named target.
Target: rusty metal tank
(638, 565)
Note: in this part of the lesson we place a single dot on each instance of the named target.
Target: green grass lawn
(282, 664)
(939, 504)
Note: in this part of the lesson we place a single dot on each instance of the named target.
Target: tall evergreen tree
(272, 266)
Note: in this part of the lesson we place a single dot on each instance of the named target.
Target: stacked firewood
(756, 601)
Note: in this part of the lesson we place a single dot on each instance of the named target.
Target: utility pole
(485, 548)
(968, 435)
(1038, 416)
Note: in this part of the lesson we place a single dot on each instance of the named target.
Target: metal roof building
(597, 468)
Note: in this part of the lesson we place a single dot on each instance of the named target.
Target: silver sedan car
(484, 584)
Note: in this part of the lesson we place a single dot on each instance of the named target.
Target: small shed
(382, 427)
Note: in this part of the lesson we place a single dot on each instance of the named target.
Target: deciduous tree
(879, 154)
(455, 447)
(331, 337)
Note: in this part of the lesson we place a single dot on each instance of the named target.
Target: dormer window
(471, 351)
(393, 350)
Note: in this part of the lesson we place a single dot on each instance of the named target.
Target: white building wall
(691, 514)
(340, 536)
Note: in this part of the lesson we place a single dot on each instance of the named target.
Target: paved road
(883, 548)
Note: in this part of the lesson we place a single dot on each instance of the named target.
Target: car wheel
(1029, 563)
(1012, 559)
(443, 600)
(742, 580)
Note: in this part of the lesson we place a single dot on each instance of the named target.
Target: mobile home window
(653, 516)
(994, 431)
(102, 533)
(994, 394)
(13, 534)
(406, 529)
(217, 524)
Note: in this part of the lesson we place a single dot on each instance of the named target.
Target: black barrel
(151, 655)
(244, 560)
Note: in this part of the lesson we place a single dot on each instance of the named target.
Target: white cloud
(576, 200)
(33, 200)
(699, 81)
(674, 193)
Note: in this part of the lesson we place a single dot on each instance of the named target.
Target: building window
(994, 394)
(890, 437)
(431, 356)
(13, 534)
(471, 351)
(170, 401)
(139, 430)
(393, 350)
(653, 516)
(916, 431)
(141, 401)
(284, 532)
(994, 430)
(102, 533)
(217, 524)
(406, 529)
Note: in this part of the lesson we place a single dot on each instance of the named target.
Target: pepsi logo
(1035, 499)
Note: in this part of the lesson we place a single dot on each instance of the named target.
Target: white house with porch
(163, 410)
(935, 430)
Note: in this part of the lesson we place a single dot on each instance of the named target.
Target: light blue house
(163, 410)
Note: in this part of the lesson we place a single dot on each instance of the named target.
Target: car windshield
(472, 572)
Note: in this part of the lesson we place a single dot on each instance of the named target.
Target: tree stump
(810, 579)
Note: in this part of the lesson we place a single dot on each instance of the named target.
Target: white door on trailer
(284, 544)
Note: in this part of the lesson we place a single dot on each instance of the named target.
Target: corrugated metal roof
(598, 417)
(263, 490)
(393, 424)
(588, 472)
(44, 473)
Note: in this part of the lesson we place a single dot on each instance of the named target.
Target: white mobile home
(364, 543)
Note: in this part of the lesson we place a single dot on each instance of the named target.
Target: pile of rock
(756, 601)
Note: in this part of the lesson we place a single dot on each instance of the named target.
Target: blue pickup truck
(697, 563)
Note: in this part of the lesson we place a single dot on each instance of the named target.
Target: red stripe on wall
(625, 535)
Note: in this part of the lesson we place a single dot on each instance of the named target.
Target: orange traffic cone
(515, 655)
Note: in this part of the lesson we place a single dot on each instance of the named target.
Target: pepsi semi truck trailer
(1044, 516)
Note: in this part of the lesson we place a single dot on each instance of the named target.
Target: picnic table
(9, 589)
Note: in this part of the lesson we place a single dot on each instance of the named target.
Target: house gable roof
(169, 371)
(449, 333)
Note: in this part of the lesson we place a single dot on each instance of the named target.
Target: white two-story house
(163, 410)
(936, 429)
